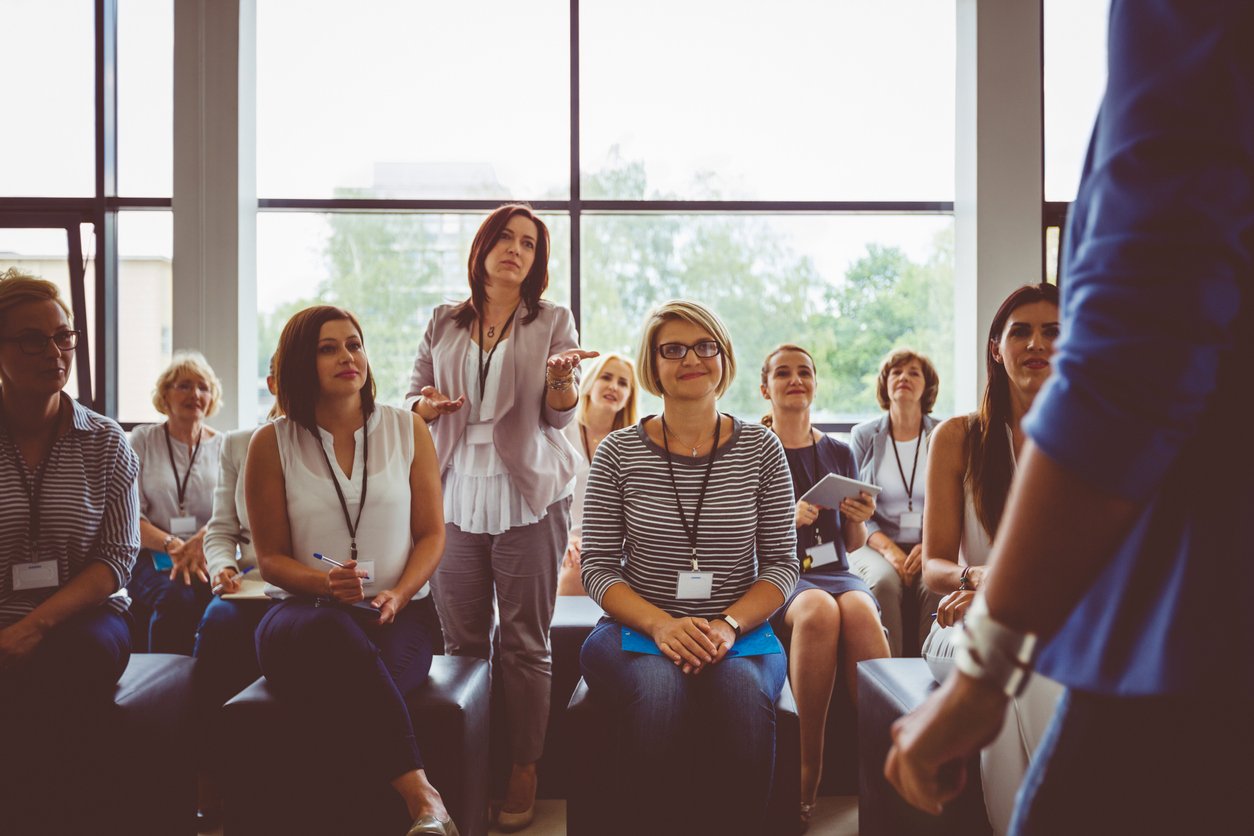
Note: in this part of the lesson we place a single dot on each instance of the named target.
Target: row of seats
(279, 779)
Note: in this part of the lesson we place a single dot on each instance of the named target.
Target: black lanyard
(914, 469)
(181, 484)
(705, 483)
(365, 483)
(798, 489)
(485, 363)
(32, 490)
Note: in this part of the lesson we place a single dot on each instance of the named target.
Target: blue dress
(808, 465)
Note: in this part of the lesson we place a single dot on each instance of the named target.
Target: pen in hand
(218, 589)
(336, 564)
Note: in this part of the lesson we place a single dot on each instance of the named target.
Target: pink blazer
(527, 432)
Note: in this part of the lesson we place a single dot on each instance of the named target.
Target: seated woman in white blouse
(344, 499)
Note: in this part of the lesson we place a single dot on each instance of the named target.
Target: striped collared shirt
(88, 509)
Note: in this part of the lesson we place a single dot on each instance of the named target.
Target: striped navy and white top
(632, 532)
(89, 509)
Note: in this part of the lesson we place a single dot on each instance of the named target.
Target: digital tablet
(831, 489)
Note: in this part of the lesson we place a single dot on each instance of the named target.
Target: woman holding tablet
(356, 481)
(688, 542)
(830, 619)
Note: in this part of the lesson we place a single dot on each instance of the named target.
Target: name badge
(367, 566)
(183, 527)
(695, 586)
(479, 433)
(911, 524)
(820, 555)
(38, 574)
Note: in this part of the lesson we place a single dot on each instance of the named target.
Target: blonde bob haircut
(187, 363)
(696, 314)
(626, 415)
(18, 288)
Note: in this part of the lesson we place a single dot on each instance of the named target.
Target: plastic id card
(760, 641)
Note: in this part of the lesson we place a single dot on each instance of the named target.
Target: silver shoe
(429, 825)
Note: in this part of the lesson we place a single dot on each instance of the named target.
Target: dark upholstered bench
(282, 781)
(592, 804)
(573, 619)
(889, 689)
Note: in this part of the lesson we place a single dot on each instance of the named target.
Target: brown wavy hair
(931, 380)
(536, 280)
(296, 364)
(990, 466)
(768, 419)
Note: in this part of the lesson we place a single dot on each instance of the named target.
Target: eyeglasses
(188, 386)
(33, 342)
(678, 351)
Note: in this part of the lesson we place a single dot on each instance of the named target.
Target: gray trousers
(893, 598)
(519, 569)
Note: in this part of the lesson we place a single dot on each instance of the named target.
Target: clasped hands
(188, 558)
(694, 643)
(345, 586)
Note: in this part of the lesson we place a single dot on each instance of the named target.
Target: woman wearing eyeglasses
(688, 544)
(68, 540)
(178, 471)
(496, 379)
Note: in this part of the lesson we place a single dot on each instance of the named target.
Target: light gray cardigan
(869, 440)
(527, 431)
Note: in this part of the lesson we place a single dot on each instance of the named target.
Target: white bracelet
(992, 652)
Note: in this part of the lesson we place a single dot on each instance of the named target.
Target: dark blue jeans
(176, 607)
(226, 662)
(56, 727)
(675, 725)
(1143, 765)
(329, 660)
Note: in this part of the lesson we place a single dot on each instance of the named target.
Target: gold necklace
(692, 447)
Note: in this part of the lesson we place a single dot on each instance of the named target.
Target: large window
(791, 165)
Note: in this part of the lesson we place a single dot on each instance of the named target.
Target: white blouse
(158, 490)
(479, 496)
(313, 508)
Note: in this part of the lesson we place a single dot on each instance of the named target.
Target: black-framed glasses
(678, 351)
(33, 342)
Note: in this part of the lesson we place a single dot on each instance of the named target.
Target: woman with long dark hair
(496, 377)
(970, 467)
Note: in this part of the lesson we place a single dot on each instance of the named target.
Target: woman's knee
(858, 611)
(814, 611)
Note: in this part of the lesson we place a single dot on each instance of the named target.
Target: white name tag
(366, 566)
(183, 527)
(822, 554)
(911, 525)
(695, 585)
(39, 574)
(479, 433)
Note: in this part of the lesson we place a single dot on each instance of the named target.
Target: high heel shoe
(807, 813)
(509, 822)
(429, 825)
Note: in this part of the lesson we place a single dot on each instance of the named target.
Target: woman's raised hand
(561, 365)
(439, 403)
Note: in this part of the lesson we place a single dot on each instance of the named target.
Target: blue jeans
(675, 725)
(1142, 765)
(226, 662)
(176, 607)
(328, 660)
(57, 726)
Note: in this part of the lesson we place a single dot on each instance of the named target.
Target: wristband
(731, 622)
(165, 544)
(992, 652)
(559, 384)
(963, 583)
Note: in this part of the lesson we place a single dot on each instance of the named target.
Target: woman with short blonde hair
(178, 472)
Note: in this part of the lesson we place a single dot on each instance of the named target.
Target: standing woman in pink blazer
(496, 380)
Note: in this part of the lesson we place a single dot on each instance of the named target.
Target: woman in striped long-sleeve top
(688, 541)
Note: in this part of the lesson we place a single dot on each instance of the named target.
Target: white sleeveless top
(976, 544)
(479, 496)
(313, 508)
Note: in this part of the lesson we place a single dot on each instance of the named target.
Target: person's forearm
(1043, 565)
(151, 537)
(756, 605)
(562, 399)
(624, 604)
(854, 535)
(88, 588)
(940, 574)
(421, 565)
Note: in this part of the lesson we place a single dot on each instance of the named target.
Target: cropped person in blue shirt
(1124, 547)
